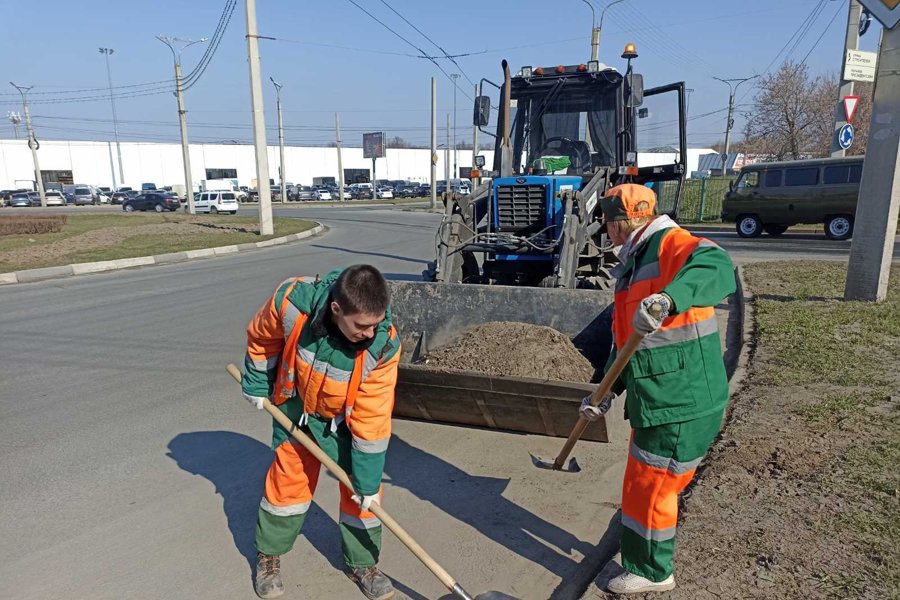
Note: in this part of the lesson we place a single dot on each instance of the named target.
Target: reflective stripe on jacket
(331, 379)
(677, 373)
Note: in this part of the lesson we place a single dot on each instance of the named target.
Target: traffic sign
(860, 66)
(851, 103)
(845, 136)
(886, 11)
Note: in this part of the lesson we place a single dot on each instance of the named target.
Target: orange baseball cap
(621, 202)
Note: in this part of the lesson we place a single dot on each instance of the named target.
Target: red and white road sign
(851, 103)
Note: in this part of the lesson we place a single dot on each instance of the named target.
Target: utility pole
(281, 168)
(32, 142)
(475, 132)
(266, 226)
(595, 30)
(733, 85)
(454, 77)
(447, 156)
(434, 155)
(851, 42)
(337, 137)
(879, 191)
(107, 52)
(181, 44)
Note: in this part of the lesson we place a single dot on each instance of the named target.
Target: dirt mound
(517, 349)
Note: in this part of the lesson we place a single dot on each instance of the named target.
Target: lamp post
(32, 142)
(107, 52)
(278, 87)
(177, 46)
(733, 85)
(454, 77)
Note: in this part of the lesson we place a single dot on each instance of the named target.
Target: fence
(701, 199)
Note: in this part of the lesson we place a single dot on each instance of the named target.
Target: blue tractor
(564, 136)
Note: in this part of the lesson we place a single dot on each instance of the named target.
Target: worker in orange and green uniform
(676, 386)
(326, 354)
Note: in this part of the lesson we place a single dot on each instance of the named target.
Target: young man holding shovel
(676, 386)
(326, 355)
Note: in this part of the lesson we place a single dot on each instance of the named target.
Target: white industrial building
(95, 163)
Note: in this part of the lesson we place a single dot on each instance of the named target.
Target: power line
(433, 43)
(827, 27)
(195, 75)
(380, 22)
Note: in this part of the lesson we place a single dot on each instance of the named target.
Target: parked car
(6, 195)
(54, 198)
(384, 193)
(70, 197)
(84, 196)
(148, 186)
(157, 202)
(119, 197)
(322, 194)
(406, 191)
(21, 199)
(773, 196)
(345, 196)
(302, 193)
(275, 190)
(216, 202)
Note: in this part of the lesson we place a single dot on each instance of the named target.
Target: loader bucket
(429, 315)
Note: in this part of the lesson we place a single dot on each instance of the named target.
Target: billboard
(373, 145)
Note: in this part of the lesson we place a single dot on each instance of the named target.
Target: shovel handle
(376, 508)
(603, 388)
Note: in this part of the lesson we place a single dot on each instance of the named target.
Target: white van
(216, 202)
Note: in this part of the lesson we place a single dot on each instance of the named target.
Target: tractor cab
(564, 135)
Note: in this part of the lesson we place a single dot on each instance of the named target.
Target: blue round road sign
(845, 136)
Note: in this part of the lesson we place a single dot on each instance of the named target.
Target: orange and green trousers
(290, 486)
(662, 461)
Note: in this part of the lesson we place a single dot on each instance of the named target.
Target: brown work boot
(268, 582)
(374, 584)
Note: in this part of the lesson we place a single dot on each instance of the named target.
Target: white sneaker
(629, 583)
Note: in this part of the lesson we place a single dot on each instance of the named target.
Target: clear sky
(330, 56)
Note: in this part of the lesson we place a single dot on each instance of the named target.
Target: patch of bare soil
(111, 236)
(516, 349)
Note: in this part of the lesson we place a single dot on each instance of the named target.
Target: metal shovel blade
(550, 465)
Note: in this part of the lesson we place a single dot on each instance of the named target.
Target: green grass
(141, 245)
(846, 354)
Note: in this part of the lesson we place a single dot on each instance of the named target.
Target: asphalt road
(793, 245)
(132, 468)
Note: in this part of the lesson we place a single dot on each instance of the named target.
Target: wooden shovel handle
(603, 388)
(338, 472)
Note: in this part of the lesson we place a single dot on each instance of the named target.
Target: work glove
(644, 321)
(365, 502)
(592, 413)
(254, 400)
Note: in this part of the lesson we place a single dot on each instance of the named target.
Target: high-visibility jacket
(677, 373)
(295, 357)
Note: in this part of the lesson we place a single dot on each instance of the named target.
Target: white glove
(644, 321)
(365, 502)
(592, 413)
(254, 400)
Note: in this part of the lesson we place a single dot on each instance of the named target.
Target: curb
(32, 275)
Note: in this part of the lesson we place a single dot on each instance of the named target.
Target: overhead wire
(433, 43)
(432, 60)
(824, 31)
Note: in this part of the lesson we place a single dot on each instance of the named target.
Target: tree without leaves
(793, 112)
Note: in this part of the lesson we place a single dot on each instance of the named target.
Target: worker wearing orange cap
(676, 386)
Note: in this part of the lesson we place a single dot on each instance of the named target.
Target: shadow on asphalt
(478, 501)
(236, 465)
(380, 254)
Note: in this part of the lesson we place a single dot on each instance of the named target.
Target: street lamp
(454, 77)
(177, 46)
(32, 142)
(107, 52)
(278, 87)
(733, 85)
